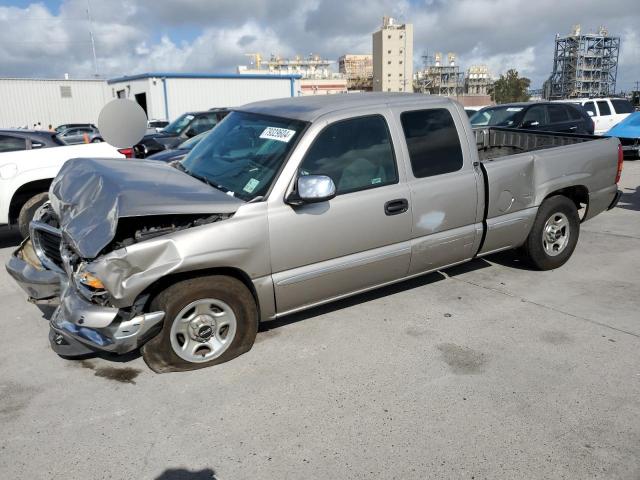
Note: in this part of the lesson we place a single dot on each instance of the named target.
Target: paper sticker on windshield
(251, 185)
(514, 109)
(279, 134)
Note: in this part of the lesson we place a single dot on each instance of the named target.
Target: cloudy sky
(51, 37)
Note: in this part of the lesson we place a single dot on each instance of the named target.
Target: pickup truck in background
(25, 177)
(292, 203)
(605, 112)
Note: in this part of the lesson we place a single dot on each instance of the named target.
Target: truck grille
(46, 243)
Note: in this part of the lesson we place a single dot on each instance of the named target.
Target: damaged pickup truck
(292, 203)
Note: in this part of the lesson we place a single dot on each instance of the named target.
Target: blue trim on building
(166, 98)
(166, 75)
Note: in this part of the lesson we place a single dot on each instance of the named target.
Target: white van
(605, 112)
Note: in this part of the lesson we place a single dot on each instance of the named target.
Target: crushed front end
(84, 321)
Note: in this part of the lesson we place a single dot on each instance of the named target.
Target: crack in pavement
(548, 307)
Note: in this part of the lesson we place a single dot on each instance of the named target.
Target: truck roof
(311, 108)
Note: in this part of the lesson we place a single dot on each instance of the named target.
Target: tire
(199, 299)
(554, 234)
(28, 210)
(96, 140)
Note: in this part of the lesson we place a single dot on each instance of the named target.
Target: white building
(169, 95)
(25, 102)
(393, 57)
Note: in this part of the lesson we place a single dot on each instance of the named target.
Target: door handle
(395, 207)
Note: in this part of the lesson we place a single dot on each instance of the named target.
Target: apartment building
(393, 57)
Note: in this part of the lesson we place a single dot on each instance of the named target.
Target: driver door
(355, 241)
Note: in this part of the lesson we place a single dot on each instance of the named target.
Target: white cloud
(133, 36)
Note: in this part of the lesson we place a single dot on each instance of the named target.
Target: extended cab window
(604, 109)
(433, 142)
(356, 154)
(12, 144)
(622, 106)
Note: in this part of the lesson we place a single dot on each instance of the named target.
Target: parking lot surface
(486, 370)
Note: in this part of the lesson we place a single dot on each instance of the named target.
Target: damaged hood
(89, 195)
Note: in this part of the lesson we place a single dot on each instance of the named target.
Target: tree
(510, 88)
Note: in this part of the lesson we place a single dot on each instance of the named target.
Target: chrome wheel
(555, 235)
(203, 330)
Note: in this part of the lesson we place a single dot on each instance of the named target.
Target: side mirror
(190, 133)
(529, 124)
(312, 189)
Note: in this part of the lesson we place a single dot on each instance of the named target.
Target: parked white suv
(605, 112)
(25, 177)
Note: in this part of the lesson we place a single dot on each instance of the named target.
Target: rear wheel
(554, 234)
(28, 210)
(208, 320)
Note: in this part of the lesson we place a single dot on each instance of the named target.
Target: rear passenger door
(559, 120)
(535, 118)
(354, 241)
(607, 119)
(444, 186)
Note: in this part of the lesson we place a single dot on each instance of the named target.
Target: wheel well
(578, 193)
(24, 193)
(164, 282)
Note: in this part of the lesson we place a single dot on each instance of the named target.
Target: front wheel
(208, 320)
(554, 234)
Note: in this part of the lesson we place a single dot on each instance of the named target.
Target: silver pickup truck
(292, 203)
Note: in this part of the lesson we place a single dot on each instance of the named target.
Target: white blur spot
(8, 171)
(431, 221)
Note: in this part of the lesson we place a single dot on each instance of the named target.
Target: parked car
(471, 111)
(155, 126)
(292, 203)
(15, 140)
(544, 116)
(180, 151)
(76, 135)
(25, 177)
(66, 126)
(628, 131)
(605, 112)
(186, 126)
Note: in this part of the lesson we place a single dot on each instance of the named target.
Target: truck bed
(496, 142)
(521, 168)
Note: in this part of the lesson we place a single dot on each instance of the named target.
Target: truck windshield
(179, 124)
(495, 117)
(243, 154)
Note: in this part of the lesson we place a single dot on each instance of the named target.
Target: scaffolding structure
(478, 80)
(312, 66)
(584, 65)
(437, 78)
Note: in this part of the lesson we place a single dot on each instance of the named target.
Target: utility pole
(93, 43)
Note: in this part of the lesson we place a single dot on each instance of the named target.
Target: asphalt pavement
(487, 370)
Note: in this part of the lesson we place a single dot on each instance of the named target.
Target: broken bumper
(79, 327)
(26, 269)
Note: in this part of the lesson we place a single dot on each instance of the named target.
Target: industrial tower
(584, 65)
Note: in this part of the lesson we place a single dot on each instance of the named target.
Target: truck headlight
(89, 280)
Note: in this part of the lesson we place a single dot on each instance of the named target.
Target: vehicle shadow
(9, 237)
(183, 474)
(630, 199)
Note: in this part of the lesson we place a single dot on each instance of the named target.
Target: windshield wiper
(206, 180)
